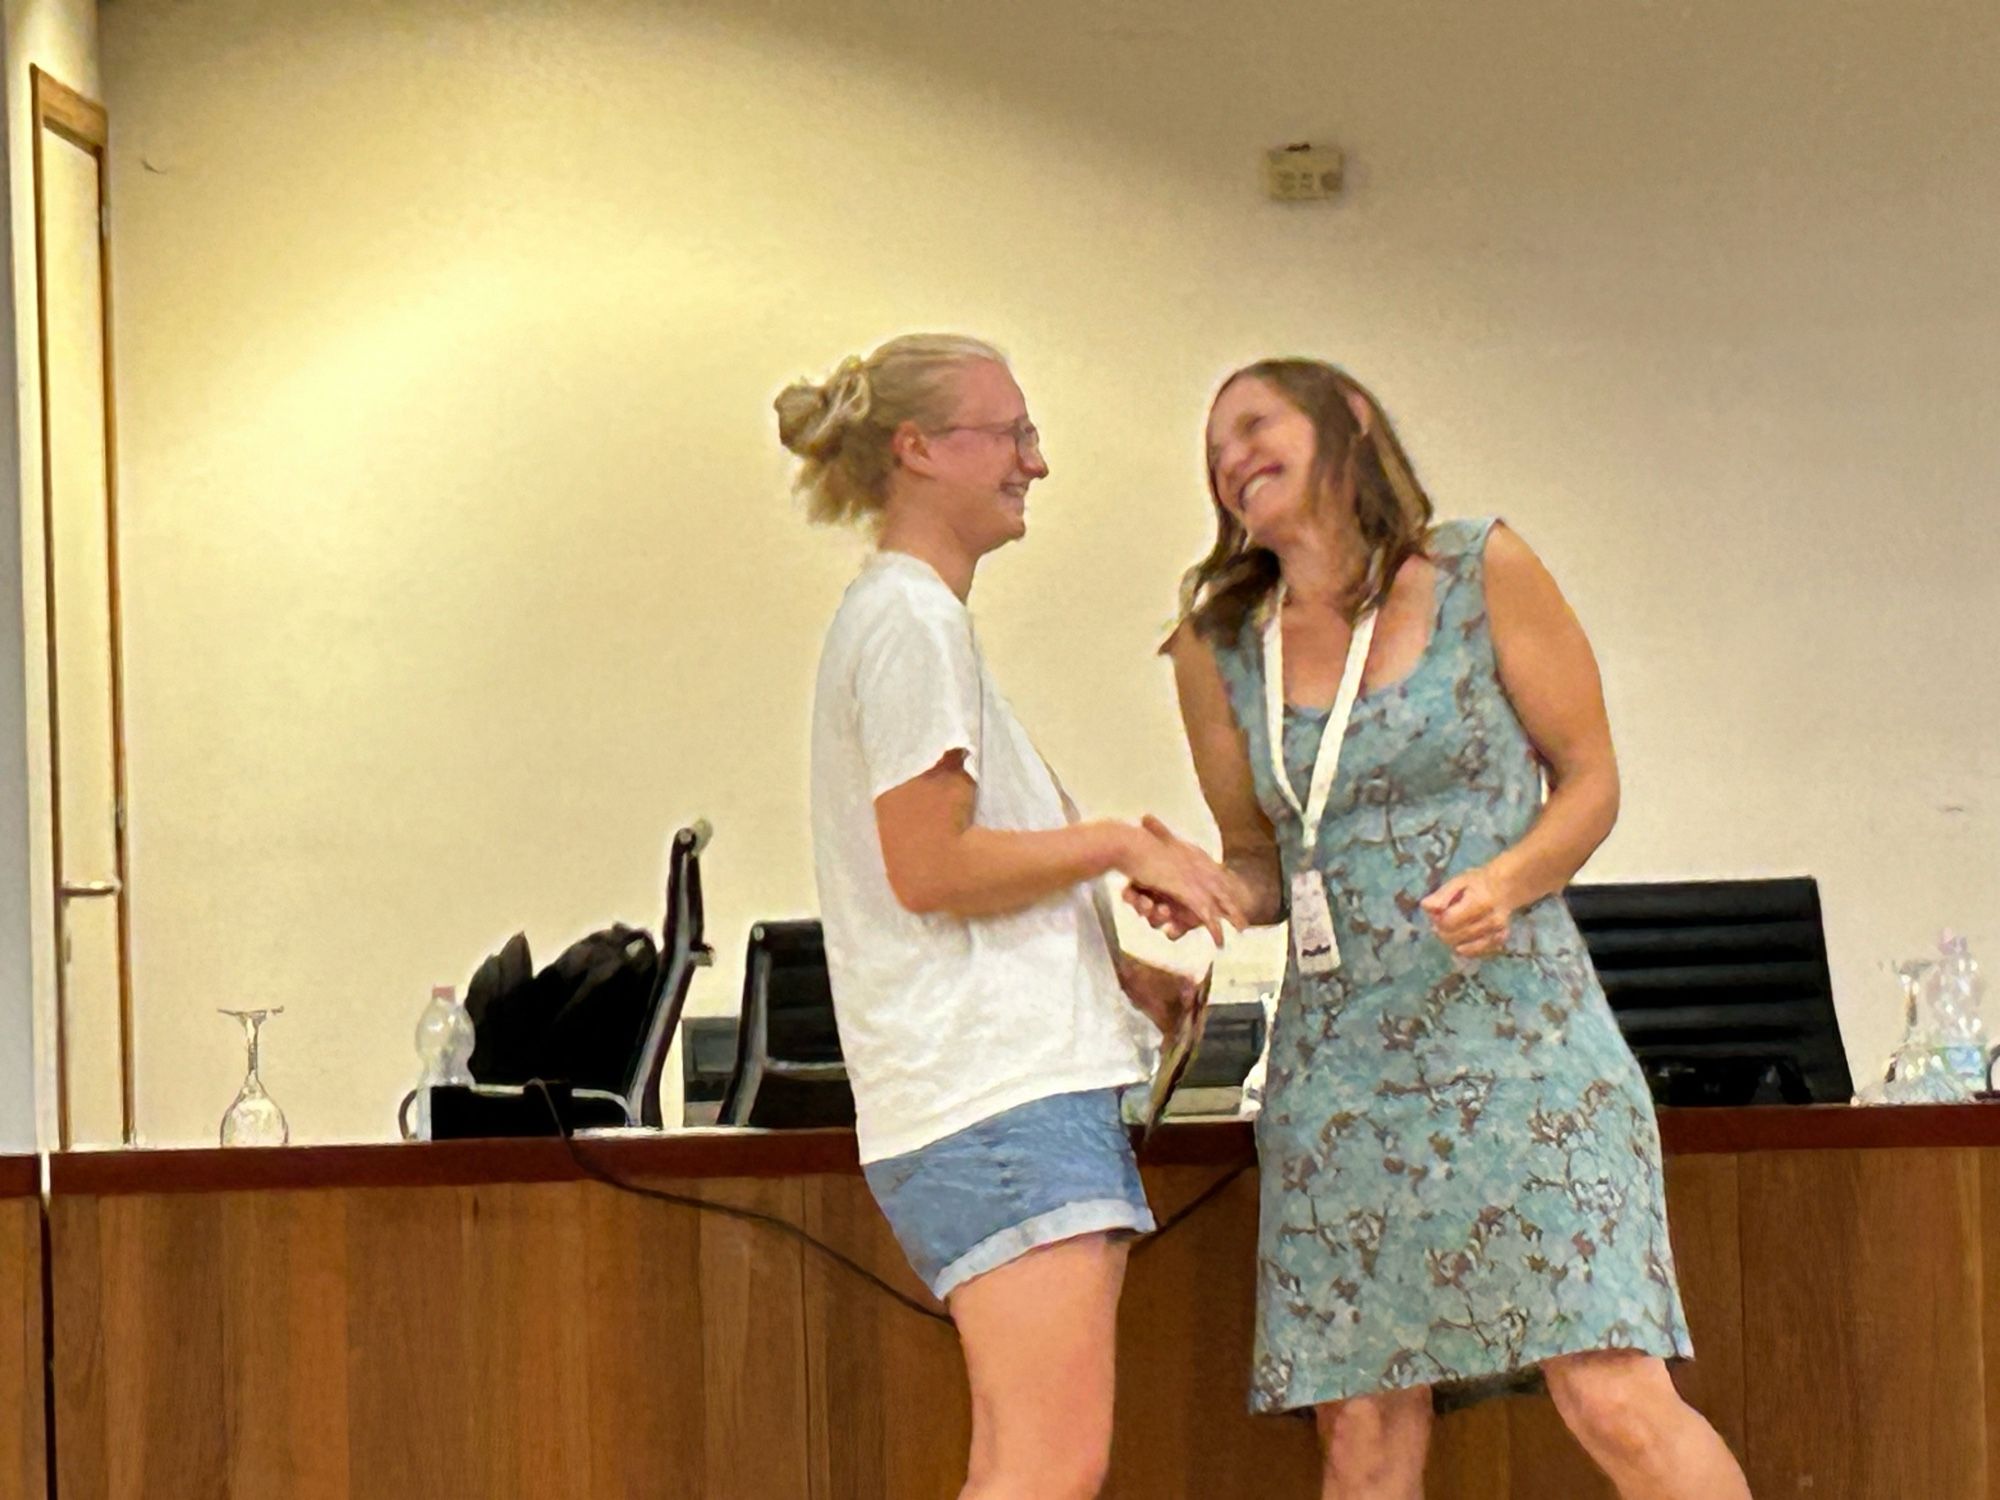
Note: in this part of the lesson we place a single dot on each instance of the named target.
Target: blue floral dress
(1460, 1164)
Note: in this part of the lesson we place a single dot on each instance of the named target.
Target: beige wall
(460, 569)
(60, 36)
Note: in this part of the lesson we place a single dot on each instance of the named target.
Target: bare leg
(1040, 1338)
(1623, 1408)
(1374, 1447)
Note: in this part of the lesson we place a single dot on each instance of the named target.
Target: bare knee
(1069, 1461)
(1372, 1442)
(1072, 1465)
(1078, 1474)
(1616, 1405)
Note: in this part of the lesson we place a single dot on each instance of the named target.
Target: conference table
(494, 1319)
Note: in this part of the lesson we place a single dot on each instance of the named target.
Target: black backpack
(580, 1021)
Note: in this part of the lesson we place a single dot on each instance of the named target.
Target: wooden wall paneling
(1184, 1431)
(1989, 1308)
(23, 1431)
(1861, 1301)
(1471, 1453)
(410, 1408)
(556, 1336)
(284, 1307)
(890, 1412)
(160, 1281)
(644, 1299)
(753, 1343)
(1543, 1460)
(76, 1277)
(527, 1338)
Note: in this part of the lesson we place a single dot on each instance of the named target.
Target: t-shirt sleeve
(917, 692)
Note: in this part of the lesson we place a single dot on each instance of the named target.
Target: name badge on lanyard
(1315, 946)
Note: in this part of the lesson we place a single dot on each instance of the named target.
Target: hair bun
(813, 420)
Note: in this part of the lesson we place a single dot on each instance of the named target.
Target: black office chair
(518, 1110)
(1721, 988)
(682, 951)
(789, 1073)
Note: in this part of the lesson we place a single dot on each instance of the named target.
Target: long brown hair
(1221, 591)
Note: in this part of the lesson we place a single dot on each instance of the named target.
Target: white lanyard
(1328, 760)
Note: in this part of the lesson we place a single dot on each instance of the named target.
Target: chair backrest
(682, 951)
(708, 1062)
(1720, 986)
(1230, 1047)
(789, 1071)
(788, 982)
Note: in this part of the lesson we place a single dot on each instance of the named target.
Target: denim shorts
(1044, 1171)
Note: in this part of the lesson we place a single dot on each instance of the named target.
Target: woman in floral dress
(1461, 1169)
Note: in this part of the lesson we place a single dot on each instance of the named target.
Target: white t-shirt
(944, 1021)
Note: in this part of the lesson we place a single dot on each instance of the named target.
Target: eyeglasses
(1023, 435)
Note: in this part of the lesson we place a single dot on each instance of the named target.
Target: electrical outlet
(1302, 173)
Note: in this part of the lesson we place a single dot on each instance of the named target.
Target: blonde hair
(841, 427)
(1222, 591)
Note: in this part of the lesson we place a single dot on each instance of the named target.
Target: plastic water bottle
(1253, 1082)
(1956, 989)
(1919, 1071)
(444, 1043)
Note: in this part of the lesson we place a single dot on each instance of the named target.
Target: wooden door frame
(83, 123)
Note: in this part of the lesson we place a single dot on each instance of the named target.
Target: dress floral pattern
(1460, 1163)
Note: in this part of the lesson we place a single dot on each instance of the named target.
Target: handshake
(1176, 886)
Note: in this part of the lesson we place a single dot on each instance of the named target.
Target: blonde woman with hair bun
(985, 1013)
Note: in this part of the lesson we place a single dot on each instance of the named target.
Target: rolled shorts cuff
(1091, 1216)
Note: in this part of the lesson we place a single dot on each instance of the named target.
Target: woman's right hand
(1163, 913)
(1176, 886)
